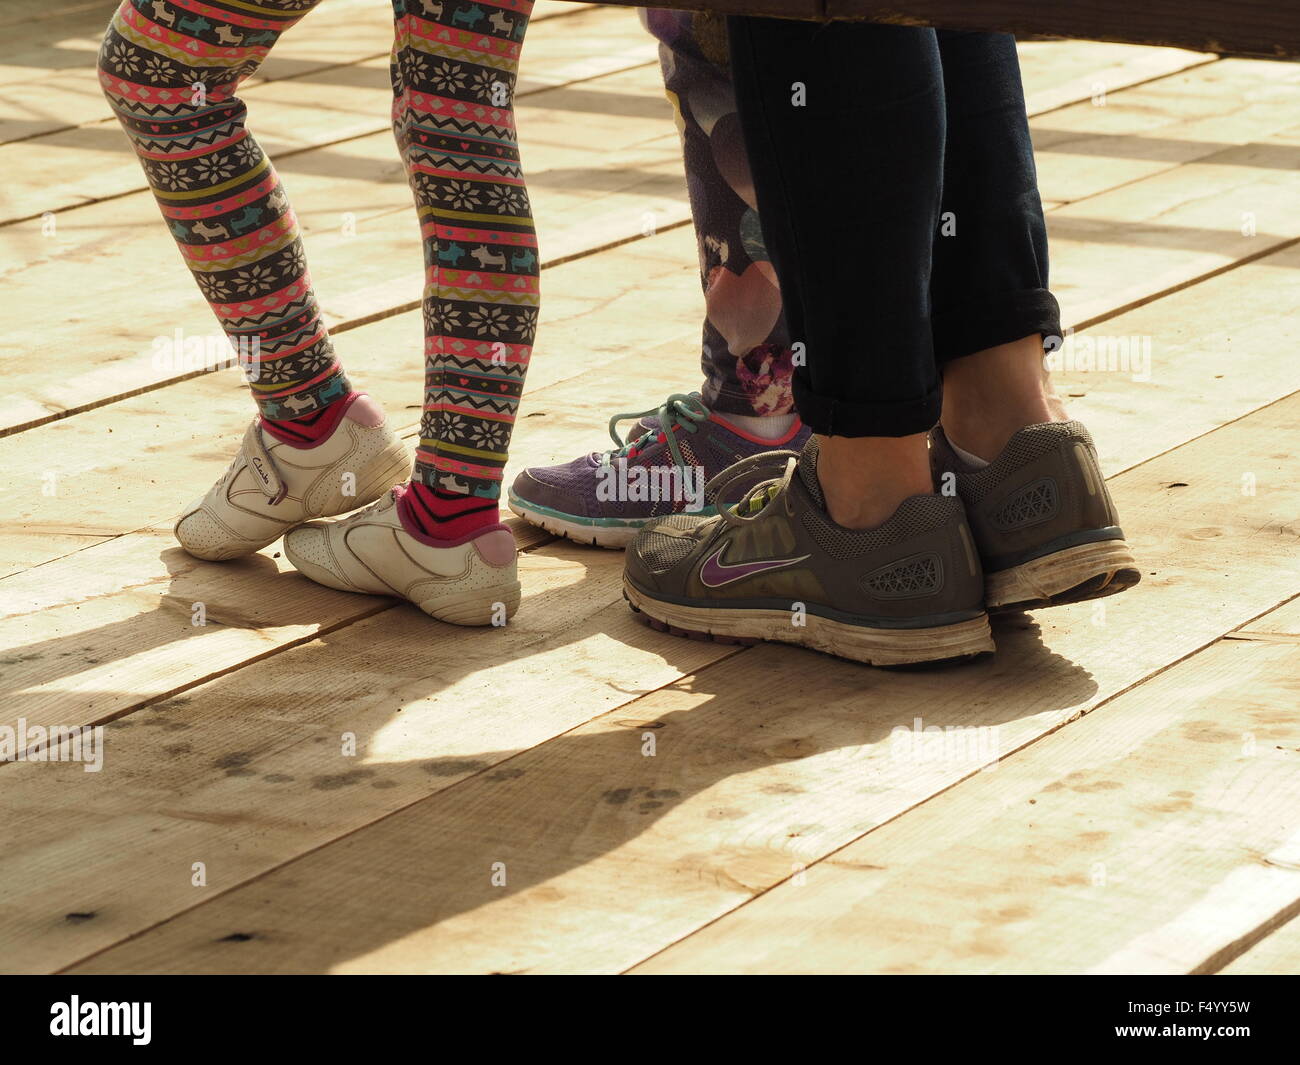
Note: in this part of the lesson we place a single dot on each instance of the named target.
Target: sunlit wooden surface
(1121, 786)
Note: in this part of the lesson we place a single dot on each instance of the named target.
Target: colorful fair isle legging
(746, 354)
(170, 70)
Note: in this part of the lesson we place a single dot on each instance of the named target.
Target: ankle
(991, 395)
(308, 430)
(770, 428)
(986, 436)
(864, 479)
(434, 516)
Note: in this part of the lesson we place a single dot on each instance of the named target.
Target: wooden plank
(48, 81)
(1059, 73)
(1169, 370)
(159, 449)
(239, 812)
(49, 37)
(18, 15)
(1157, 835)
(1121, 248)
(459, 707)
(1117, 138)
(1284, 622)
(1252, 367)
(321, 107)
(56, 55)
(610, 855)
(588, 195)
(1182, 398)
(1205, 369)
(53, 83)
(1226, 363)
(1169, 410)
(1277, 954)
(635, 179)
(34, 103)
(110, 628)
(1205, 25)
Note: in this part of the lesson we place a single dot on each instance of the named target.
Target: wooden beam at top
(1261, 28)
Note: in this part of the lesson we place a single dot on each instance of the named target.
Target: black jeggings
(899, 204)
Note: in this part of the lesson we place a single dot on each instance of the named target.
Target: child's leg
(453, 69)
(746, 406)
(437, 541)
(170, 69)
(746, 355)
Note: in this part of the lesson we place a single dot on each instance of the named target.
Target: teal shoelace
(678, 411)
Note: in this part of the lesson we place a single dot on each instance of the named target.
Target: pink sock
(310, 429)
(441, 515)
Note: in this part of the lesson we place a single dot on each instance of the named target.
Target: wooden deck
(1120, 786)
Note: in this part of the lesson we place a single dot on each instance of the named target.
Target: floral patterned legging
(746, 355)
(170, 70)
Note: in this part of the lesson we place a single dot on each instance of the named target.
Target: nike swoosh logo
(715, 573)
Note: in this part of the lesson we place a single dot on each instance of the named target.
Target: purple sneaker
(605, 498)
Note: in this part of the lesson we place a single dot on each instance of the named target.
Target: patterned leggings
(746, 356)
(170, 70)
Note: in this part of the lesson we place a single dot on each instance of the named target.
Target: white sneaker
(471, 583)
(272, 486)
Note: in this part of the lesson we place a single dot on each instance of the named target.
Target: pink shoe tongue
(363, 410)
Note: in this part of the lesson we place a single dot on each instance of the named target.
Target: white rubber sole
(494, 604)
(395, 470)
(613, 537)
(1089, 571)
(876, 647)
(480, 607)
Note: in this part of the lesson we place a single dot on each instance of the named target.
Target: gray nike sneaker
(1044, 523)
(776, 567)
